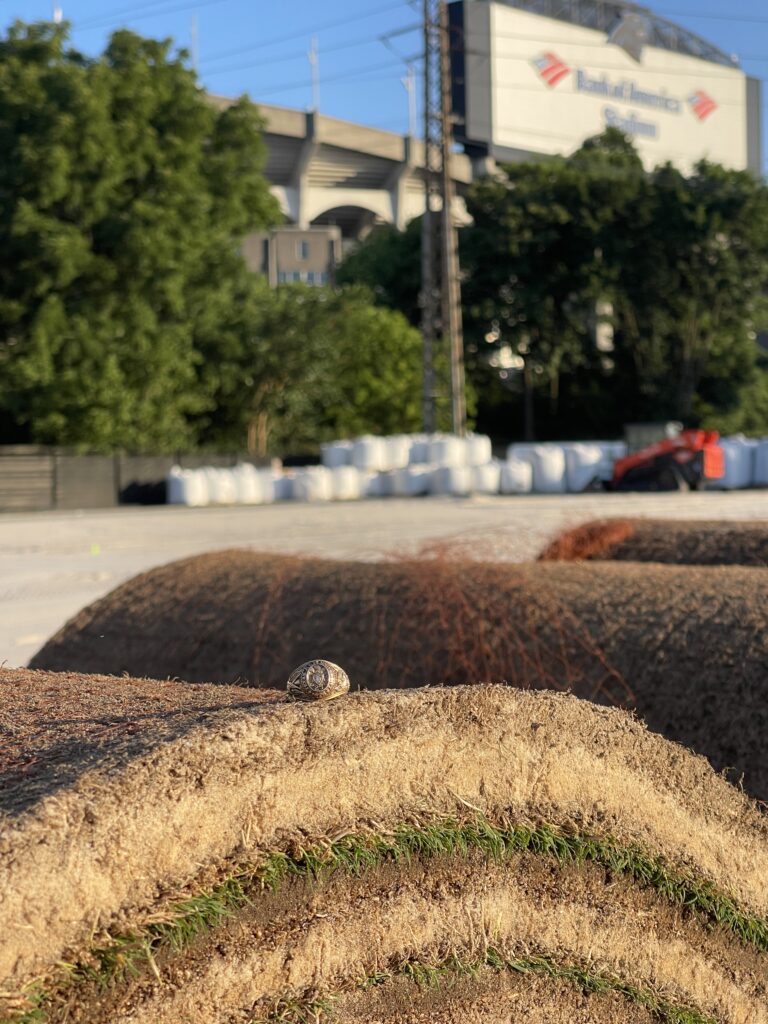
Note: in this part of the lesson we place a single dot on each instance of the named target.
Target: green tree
(388, 263)
(124, 193)
(691, 266)
(293, 366)
(534, 260)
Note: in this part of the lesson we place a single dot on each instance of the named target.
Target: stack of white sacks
(746, 463)
(409, 465)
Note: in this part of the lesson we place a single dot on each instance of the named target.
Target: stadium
(537, 77)
(530, 78)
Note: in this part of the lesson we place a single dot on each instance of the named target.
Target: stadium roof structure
(606, 15)
(327, 171)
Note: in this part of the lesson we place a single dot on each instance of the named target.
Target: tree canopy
(124, 193)
(558, 250)
(293, 366)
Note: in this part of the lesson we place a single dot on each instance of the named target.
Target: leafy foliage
(675, 264)
(290, 367)
(388, 263)
(124, 193)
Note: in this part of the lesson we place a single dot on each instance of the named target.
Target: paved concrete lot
(54, 563)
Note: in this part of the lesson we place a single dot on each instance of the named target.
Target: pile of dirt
(671, 541)
(687, 648)
(464, 853)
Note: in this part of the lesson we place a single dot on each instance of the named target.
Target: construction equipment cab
(681, 463)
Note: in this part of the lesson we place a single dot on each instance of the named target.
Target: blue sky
(261, 47)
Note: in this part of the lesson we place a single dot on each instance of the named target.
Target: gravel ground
(54, 563)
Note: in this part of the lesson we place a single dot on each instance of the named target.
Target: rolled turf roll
(671, 541)
(212, 854)
(687, 648)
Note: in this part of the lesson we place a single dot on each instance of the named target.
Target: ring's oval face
(318, 680)
(316, 677)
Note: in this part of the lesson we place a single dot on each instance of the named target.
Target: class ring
(317, 680)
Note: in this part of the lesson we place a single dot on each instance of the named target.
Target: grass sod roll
(668, 541)
(685, 647)
(220, 874)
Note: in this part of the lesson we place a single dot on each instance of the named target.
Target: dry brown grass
(589, 540)
(126, 825)
(685, 647)
(669, 541)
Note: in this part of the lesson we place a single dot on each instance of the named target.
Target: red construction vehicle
(681, 463)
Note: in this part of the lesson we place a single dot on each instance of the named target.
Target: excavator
(681, 463)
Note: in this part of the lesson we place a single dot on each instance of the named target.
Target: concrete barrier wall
(35, 478)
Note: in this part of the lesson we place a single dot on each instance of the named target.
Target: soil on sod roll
(687, 648)
(272, 859)
(490, 998)
(676, 542)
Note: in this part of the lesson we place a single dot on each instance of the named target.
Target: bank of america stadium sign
(552, 70)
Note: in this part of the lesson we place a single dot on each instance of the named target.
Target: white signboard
(540, 85)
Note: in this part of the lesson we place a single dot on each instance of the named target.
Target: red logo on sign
(702, 104)
(551, 68)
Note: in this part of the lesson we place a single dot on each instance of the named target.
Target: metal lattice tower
(440, 289)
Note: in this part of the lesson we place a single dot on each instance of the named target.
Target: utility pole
(409, 84)
(194, 41)
(440, 296)
(314, 63)
(451, 291)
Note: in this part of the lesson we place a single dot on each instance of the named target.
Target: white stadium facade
(530, 78)
(537, 77)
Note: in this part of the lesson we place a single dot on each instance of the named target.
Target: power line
(109, 21)
(294, 55)
(306, 31)
(358, 73)
(109, 15)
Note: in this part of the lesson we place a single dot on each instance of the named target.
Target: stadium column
(299, 183)
(395, 184)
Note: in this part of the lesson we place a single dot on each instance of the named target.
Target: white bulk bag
(175, 487)
(312, 484)
(479, 452)
(369, 453)
(583, 462)
(419, 451)
(385, 484)
(398, 481)
(336, 453)
(447, 450)
(516, 477)
(187, 487)
(613, 450)
(521, 450)
(739, 455)
(247, 484)
(760, 468)
(268, 484)
(370, 484)
(397, 451)
(548, 464)
(486, 479)
(346, 483)
(221, 486)
(454, 480)
(418, 479)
